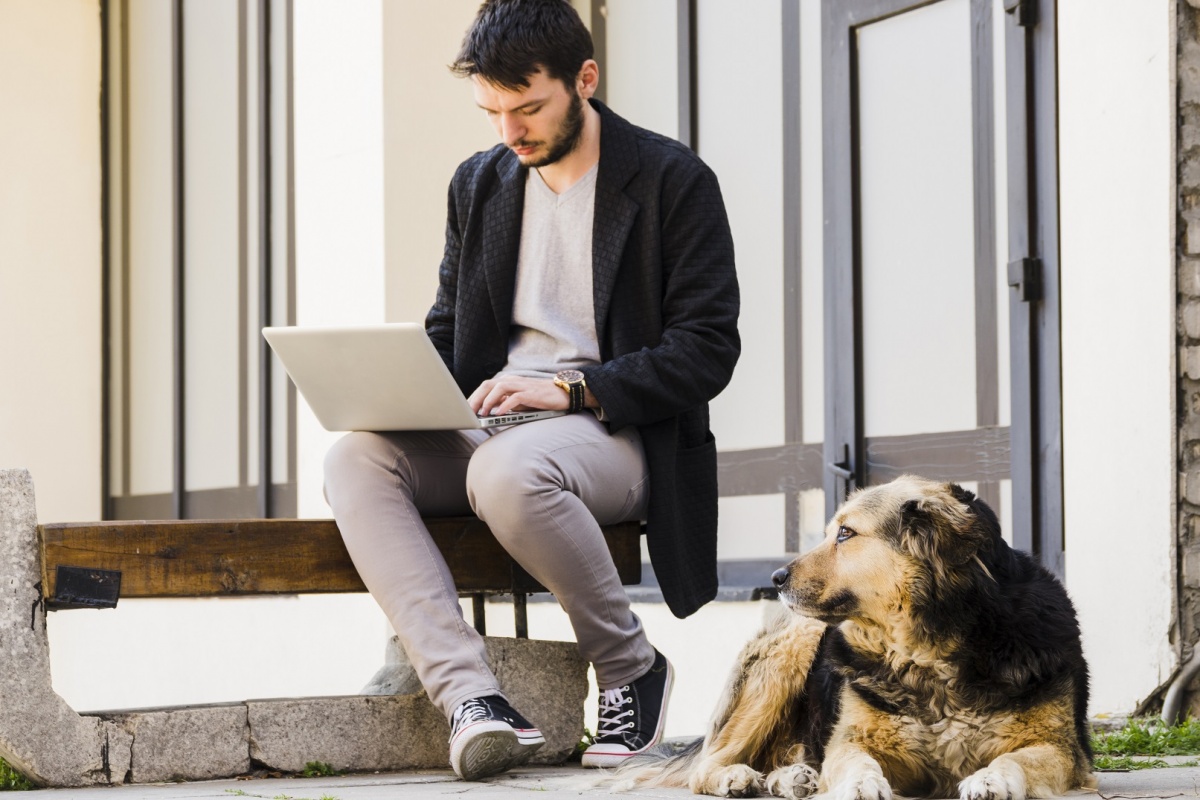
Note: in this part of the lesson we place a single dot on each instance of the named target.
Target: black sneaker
(488, 736)
(632, 717)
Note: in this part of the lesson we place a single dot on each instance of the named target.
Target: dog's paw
(794, 782)
(994, 782)
(736, 780)
(868, 787)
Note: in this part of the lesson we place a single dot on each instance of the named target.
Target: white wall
(339, 192)
(430, 125)
(1116, 94)
(50, 239)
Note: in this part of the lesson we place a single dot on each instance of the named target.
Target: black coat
(666, 303)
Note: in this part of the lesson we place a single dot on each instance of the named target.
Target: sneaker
(632, 717)
(488, 736)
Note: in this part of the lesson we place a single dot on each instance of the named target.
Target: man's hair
(511, 39)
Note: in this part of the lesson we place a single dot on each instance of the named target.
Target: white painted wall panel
(430, 125)
(151, 248)
(211, 247)
(642, 80)
(741, 137)
(812, 224)
(339, 192)
(1116, 129)
(916, 196)
(50, 252)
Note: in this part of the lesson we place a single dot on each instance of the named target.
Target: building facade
(962, 231)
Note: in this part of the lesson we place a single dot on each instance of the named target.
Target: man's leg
(544, 489)
(378, 485)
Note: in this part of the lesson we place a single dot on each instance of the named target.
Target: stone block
(1189, 362)
(1191, 567)
(185, 744)
(1191, 224)
(1190, 485)
(545, 681)
(397, 675)
(1189, 71)
(1189, 277)
(1189, 128)
(40, 735)
(349, 733)
(1191, 319)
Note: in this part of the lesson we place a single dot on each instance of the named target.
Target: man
(588, 267)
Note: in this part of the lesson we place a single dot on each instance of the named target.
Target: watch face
(569, 376)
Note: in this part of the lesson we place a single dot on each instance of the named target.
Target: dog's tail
(666, 765)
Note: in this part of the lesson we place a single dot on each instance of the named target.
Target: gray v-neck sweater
(553, 315)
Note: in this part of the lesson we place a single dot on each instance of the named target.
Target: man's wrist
(572, 382)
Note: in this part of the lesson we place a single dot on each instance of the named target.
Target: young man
(588, 267)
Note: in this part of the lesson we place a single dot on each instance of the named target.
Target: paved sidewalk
(547, 783)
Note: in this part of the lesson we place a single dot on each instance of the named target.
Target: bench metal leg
(520, 616)
(480, 614)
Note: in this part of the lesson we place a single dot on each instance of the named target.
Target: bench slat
(212, 558)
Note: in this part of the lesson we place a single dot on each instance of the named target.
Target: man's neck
(562, 174)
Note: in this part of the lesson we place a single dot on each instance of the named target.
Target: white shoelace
(474, 710)
(611, 702)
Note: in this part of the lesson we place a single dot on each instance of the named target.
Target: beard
(565, 139)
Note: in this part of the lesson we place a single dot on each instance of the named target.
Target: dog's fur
(924, 656)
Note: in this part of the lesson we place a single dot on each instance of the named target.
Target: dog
(923, 656)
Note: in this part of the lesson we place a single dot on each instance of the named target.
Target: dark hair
(511, 39)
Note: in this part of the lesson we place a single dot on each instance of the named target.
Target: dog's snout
(779, 577)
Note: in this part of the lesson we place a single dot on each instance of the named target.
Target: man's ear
(587, 80)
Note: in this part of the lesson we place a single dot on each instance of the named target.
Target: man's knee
(505, 486)
(352, 459)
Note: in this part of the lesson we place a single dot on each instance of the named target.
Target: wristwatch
(571, 381)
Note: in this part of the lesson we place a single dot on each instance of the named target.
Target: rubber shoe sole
(614, 755)
(489, 748)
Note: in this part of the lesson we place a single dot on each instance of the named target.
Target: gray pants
(544, 488)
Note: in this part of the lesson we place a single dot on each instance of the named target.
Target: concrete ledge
(53, 745)
(356, 734)
(184, 744)
(40, 734)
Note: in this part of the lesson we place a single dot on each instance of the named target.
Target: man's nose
(511, 130)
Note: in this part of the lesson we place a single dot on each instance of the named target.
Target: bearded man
(588, 267)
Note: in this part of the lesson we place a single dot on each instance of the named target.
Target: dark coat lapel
(615, 211)
(502, 238)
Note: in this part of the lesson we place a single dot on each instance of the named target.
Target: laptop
(386, 377)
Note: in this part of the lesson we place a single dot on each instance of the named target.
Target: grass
(319, 769)
(1149, 736)
(11, 780)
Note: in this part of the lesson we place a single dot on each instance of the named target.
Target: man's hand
(514, 393)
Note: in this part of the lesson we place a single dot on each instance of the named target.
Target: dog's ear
(942, 528)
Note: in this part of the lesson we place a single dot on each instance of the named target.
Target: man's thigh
(575, 453)
(433, 464)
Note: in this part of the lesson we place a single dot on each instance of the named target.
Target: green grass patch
(319, 769)
(1126, 763)
(1149, 736)
(11, 780)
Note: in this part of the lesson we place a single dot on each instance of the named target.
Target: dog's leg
(794, 782)
(851, 773)
(1041, 770)
(770, 673)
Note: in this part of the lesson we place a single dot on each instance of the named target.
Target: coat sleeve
(699, 346)
(439, 322)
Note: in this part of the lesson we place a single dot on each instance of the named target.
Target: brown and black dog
(924, 656)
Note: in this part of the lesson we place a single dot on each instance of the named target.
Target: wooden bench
(92, 565)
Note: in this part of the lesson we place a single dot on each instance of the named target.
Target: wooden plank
(211, 558)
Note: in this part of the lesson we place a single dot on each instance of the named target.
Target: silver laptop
(379, 378)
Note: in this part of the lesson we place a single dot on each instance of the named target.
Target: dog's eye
(844, 533)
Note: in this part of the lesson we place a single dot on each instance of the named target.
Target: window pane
(916, 200)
